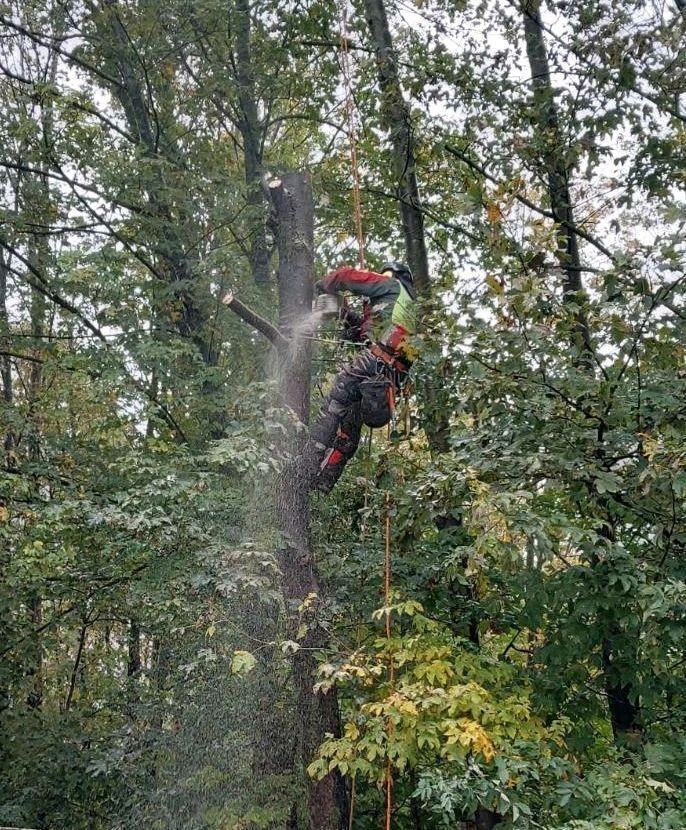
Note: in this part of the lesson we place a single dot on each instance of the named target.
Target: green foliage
(537, 490)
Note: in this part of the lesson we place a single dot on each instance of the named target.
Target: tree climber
(364, 390)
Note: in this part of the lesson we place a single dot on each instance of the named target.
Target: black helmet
(399, 269)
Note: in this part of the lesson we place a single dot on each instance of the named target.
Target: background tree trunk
(396, 113)
(9, 439)
(168, 219)
(557, 169)
(251, 134)
(624, 714)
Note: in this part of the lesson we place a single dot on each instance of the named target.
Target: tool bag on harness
(378, 401)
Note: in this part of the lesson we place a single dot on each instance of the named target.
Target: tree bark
(396, 113)
(168, 219)
(318, 713)
(36, 199)
(133, 667)
(557, 168)
(77, 666)
(486, 819)
(251, 134)
(617, 664)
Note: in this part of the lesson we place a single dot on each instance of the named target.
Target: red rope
(391, 665)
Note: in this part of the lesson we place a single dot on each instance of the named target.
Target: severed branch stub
(252, 318)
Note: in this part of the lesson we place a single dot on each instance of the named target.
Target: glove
(352, 325)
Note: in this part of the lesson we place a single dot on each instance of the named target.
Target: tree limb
(270, 331)
(52, 43)
(20, 356)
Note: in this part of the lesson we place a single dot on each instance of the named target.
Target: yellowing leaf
(307, 602)
(493, 213)
(475, 737)
(243, 663)
(494, 284)
(351, 732)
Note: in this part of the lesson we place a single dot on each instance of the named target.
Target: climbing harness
(391, 359)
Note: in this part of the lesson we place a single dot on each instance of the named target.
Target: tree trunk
(133, 667)
(167, 219)
(249, 126)
(37, 202)
(37, 256)
(557, 168)
(486, 819)
(618, 663)
(318, 713)
(396, 113)
(624, 715)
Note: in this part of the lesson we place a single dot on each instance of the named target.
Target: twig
(18, 356)
(77, 665)
(65, 613)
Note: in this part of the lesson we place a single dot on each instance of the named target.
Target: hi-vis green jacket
(389, 301)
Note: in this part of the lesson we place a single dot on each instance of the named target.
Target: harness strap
(390, 359)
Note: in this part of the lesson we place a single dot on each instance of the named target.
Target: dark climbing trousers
(335, 435)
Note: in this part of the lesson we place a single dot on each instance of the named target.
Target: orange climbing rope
(357, 214)
(352, 137)
(391, 664)
(387, 577)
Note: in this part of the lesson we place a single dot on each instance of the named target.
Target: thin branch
(109, 227)
(19, 356)
(531, 205)
(111, 583)
(374, 191)
(663, 106)
(36, 280)
(71, 102)
(77, 665)
(51, 43)
(73, 183)
(511, 644)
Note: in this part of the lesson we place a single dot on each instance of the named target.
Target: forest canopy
(484, 624)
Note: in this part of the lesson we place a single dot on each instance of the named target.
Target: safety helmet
(399, 270)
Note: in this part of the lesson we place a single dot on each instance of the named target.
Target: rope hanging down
(391, 664)
(352, 137)
(357, 214)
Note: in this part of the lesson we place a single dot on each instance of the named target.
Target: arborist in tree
(364, 391)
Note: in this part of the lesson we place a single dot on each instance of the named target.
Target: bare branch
(270, 331)
(52, 43)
